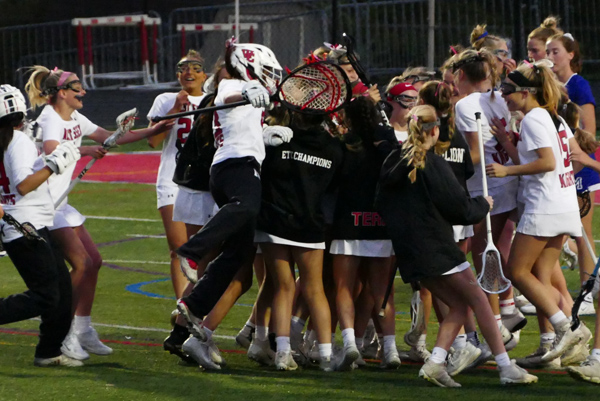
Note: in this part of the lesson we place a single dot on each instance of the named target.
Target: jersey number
(183, 132)
(218, 131)
(563, 145)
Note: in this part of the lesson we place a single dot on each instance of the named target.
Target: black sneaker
(174, 342)
(272, 342)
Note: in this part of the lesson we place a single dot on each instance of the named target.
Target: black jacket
(295, 177)
(419, 216)
(457, 155)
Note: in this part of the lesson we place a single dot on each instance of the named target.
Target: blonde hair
(540, 76)
(439, 95)
(42, 85)
(419, 71)
(193, 55)
(480, 38)
(546, 29)
(413, 146)
(477, 65)
(395, 81)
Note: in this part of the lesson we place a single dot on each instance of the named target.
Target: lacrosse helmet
(254, 61)
(11, 101)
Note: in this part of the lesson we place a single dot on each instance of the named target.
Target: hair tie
(453, 50)
(439, 85)
(230, 42)
(415, 118)
(527, 63)
(55, 69)
(569, 36)
(483, 35)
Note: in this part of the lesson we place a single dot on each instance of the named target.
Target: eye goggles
(405, 101)
(75, 86)
(508, 89)
(501, 54)
(187, 65)
(413, 79)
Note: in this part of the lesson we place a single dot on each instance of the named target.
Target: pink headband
(63, 78)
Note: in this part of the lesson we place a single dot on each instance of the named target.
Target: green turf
(142, 371)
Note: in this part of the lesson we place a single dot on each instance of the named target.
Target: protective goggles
(508, 89)
(413, 79)
(75, 86)
(187, 65)
(501, 54)
(405, 101)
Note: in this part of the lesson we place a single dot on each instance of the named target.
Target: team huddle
(323, 188)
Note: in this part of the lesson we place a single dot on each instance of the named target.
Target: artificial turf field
(132, 309)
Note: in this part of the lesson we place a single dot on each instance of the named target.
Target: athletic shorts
(505, 197)
(165, 195)
(458, 269)
(194, 207)
(67, 216)
(550, 225)
(462, 232)
(261, 236)
(364, 248)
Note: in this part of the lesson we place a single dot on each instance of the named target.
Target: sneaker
(418, 354)
(568, 257)
(61, 360)
(174, 342)
(284, 361)
(301, 354)
(199, 350)
(2, 251)
(260, 351)
(461, 359)
(565, 339)
(90, 342)
(515, 321)
(348, 356)
(436, 373)
(189, 268)
(390, 360)
(194, 323)
(576, 355)
(417, 317)
(510, 341)
(484, 356)
(526, 307)
(360, 362)
(326, 364)
(588, 371)
(72, 349)
(534, 361)
(512, 374)
(214, 353)
(370, 351)
(587, 334)
(244, 337)
(587, 306)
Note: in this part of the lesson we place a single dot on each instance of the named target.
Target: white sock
(460, 342)
(209, 333)
(502, 359)
(557, 318)
(250, 324)
(498, 320)
(389, 343)
(297, 325)
(262, 333)
(283, 344)
(546, 338)
(595, 354)
(438, 355)
(81, 324)
(348, 337)
(325, 351)
(360, 342)
(422, 340)
(507, 306)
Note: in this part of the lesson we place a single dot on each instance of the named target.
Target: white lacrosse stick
(125, 123)
(491, 279)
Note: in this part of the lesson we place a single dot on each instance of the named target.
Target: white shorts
(261, 236)
(364, 248)
(67, 216)
(165, 195)
(194, 207)
(458, 269)
(505, 197)
(462, 232)
(550, 225)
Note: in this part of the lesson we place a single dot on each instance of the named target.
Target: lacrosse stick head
(318, 87)
(491, 279)
(125, 122)
(585, 203)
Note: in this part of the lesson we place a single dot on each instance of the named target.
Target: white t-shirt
(401, 136)
(466, 122)
(21, 159)
(176, 137)
(237, 131)
(552, 192)
(54, 128)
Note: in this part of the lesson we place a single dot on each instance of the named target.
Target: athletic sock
(438, 355)
(325, 351)
(422, 340)
(297, 325)
(459, 342)
(502, 359)
(556, 320)
(348, 336)
(498, 320)
(473, 338)
(507, 306)
(262, 333)
(283, 344)
(250, 324)
(81, 324)
(360, 342)
(595, 354)
(546, 338)
(389, 343)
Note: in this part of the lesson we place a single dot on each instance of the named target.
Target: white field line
(122, 218)
(146, 236)
(135, 261)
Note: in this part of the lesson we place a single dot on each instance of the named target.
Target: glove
(63, 156)
(257, 94)
(276, 135)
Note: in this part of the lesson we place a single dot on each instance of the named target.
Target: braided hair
(413, 148)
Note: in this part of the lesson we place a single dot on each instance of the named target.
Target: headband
(483, 35)
(63, 77)
(569, 36)
(472, 59)
(520, 79)
(426, 126)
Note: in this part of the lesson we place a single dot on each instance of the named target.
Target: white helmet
(257, 61)
(11, 101)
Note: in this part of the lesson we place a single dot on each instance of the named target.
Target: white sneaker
(200, 352)
(587, 306)
(534, 360)
(360, 362)
(568, 257)
(461, 359)
(510, 341)
(326, 364)
(565, 339)
(261, 352)
(576, 354)
(194, 323)
(512, 374)
(515, 321)
(244, 337)
(72, 349)
(284, 361)
(391, 359)
(417, 354)
(588, 371)
(214, 353)
(189, 268)
(61, 360)
(486, 355)
(436, 373)
(348, 356)
(91, 343)
(526, 307)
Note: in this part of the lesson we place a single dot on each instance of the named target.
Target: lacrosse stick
(491, 279)
(360, 71)
(26, 229)
(125, 122)
(587, 287)
(388, 291)
(318, 87)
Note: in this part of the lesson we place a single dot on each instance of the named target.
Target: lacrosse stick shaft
(586, 288)
(74, 182)
(201, 111)
(588, 245)
(388, 291)
(488, 222)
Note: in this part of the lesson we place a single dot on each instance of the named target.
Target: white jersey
(54, 128)
(21, 159)
(237, 131)
(494, 152)
(176, 136)
(552, 192)
(401, 136)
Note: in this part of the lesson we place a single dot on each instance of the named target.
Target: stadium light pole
(334, 21)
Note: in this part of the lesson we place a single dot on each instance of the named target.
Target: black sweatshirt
(295, 177)
(419, 216)
(457, 155)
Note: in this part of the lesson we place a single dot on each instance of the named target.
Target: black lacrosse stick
(585, 203)
(26, 229)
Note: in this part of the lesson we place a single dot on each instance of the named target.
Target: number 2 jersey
(552, 192)
(176, 136)
(21, 160)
